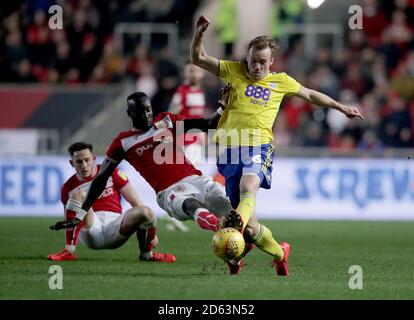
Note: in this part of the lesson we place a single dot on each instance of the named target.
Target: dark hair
(263, 42)
(137, 96)
(77, 146)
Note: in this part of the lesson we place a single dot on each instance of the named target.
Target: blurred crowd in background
(375, 71)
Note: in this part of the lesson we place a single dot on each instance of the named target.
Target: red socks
(206, 220)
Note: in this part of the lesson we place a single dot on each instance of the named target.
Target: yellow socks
(246, 207)
(264, 238)
(265, 241)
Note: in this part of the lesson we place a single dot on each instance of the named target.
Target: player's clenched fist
(202, 24)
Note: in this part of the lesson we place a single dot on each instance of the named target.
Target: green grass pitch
(321, 255)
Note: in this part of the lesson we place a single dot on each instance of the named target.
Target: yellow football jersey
(253, 105)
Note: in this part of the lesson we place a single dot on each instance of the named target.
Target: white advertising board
(351, 189)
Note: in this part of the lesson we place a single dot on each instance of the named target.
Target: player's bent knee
(147, 213)
(141, 214)
(176, 207)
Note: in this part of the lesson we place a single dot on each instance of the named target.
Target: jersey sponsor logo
(85, 188)
(106, 193)
(140, 150)
(257, 92)
(273, 85)
(163, 139)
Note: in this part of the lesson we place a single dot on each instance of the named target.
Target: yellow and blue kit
(245, 126)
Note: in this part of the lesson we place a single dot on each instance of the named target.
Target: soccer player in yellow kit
(246, 128)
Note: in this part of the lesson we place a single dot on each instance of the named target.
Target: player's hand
(352, 112)
(224, 94)
(65, 224)
(202, 24)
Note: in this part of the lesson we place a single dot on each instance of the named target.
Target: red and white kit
(192, 101)
(104, 233)
(193, 105)
(154, 154)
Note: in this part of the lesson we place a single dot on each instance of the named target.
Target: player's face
(258, 63)
(142, 115)
(193, 74)
(84, 163)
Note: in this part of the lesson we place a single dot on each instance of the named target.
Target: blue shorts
(233, 163)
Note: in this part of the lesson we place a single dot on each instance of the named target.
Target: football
(228, 244)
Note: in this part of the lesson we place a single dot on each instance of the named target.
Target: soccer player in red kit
(151, 148)
(105, 226)
(189, 101)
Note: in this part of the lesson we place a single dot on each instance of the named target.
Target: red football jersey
(154, 153)
(109, 200)
(193, 104)
(192, 101)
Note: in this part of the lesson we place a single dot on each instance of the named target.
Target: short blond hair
(263, 42)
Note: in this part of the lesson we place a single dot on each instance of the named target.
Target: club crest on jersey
(272, 85)
(179, 188)
(160, 125)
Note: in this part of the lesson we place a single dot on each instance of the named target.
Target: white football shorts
(104, 233)
(202, 188)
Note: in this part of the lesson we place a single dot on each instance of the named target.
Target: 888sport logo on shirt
(259, 95)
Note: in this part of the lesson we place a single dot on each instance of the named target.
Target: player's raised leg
(204, 218)
(238, 218)
(263, 238)
(142, 220)
(249, 184)
(183, 202)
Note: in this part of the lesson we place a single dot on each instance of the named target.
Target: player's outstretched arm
(321, 99)
(97, 186)
(198, 55)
